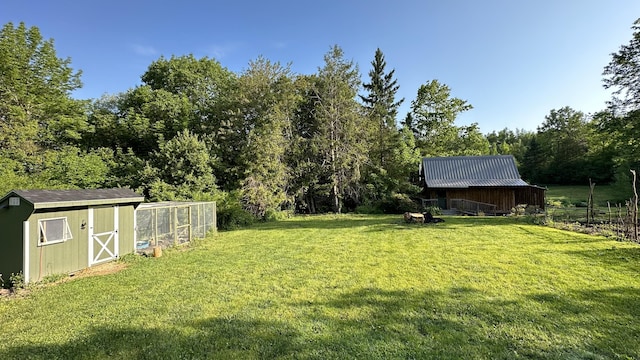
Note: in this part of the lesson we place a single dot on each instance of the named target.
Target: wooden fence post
(634, 214)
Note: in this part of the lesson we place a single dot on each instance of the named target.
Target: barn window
(54, 231)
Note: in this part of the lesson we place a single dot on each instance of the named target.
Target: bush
(368, 209)
(230, 213)
(433, 210)
(398, 204)
(277, 215)
(16, 281)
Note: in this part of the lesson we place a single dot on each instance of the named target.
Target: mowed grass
(572, 194)
(608, 200)
(346, 287)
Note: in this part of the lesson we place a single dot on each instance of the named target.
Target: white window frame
(42, 232)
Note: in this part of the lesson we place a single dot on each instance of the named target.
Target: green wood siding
(73, 255)
(59, 258)
(126, 230)
(11, 239)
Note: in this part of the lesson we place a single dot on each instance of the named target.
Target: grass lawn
(346, 287)
(564, 198)
(571, 194)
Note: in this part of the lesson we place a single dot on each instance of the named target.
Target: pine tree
(341, 146)
(266, 101)
(382, 109)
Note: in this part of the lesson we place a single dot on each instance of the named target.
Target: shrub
(16, 281)
(433, 210)
(368, 209)
(398, 204)
(230, 213)
(276, 215)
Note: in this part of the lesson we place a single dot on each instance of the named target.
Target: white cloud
(219, 51)
(144, 50)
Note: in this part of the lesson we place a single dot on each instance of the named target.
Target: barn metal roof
(46, 199)
(471, 171)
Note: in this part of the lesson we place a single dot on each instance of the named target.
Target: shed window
(54, 231)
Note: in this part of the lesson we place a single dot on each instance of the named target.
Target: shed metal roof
(46, 199)
(471, 171)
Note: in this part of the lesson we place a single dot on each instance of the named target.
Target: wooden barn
(475, 184)
(46, 232)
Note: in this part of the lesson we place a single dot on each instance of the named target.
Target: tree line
(266, 139)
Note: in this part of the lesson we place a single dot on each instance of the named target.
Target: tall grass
(346, 287)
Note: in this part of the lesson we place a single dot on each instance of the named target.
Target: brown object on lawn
(157, 251)
(413, 217)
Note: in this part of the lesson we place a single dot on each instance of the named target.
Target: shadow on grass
(460, 323)
(621, 259)
(378, 222)
(212, 338)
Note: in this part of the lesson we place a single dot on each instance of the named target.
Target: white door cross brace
(112, 239)
(104, 245)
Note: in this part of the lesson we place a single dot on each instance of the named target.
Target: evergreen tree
(623, 74)
(180, 169)
(266, 104)
(381, 107)
(339, 141)
(381, 177)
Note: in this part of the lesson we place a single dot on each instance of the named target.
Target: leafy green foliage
(339, 141)
(230, 213)
(623, 74)
(35, 106)
(278, 140)
(432, 120)
(398, 204)
(568, 150)
(71, 166)
(392, 153)
(266, 100)
(181, 168)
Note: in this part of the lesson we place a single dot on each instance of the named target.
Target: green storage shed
(45, 232)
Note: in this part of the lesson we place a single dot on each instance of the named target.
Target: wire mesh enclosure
(172, 223)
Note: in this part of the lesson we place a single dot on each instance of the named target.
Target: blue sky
(513, 60)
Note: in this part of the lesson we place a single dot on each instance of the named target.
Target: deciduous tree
(433, 116)
(623, 74)
(36, 108)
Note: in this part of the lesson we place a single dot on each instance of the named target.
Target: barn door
(103, 234)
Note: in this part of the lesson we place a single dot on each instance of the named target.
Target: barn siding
(504, 198)
(531, 196)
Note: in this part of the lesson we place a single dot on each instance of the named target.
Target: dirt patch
(103, 269)
(96, 270)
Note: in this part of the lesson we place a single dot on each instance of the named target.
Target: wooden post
(634, 214)
(590, 202)
(155, 226)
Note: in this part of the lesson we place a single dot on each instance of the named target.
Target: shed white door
(103, 234)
